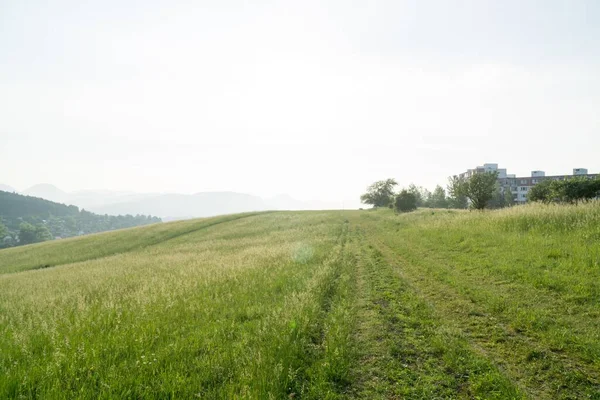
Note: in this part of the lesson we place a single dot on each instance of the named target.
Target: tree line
(27, 219)
(479, 191)
(382, 194)
(572, 190)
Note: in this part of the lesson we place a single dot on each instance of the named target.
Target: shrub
(405, 201)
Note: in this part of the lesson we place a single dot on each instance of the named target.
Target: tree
(456, 197)
(592, 189)
(438, 198)
(509, 200)
(479, 188)
(3, 234)
(574, 190)
(406, 201)
(3, 230)
(380, 193)
(421, 194)
(27, 233)
(498, 199)
(42, 233)
(543, 191)
(571, 190)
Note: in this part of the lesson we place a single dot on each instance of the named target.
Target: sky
(315, 99)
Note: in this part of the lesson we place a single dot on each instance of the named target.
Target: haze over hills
(173, 205)
(170, 205)
(84, 198)
(48, 192)
(6, 188)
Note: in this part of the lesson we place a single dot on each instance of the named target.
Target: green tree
(509, 200)
(479, 188)
(456, 197)
(498, 199)
(574, 190)
(422, 195)
(27, 234)
(438, 198)
(543, 191)
(380, 193)
(593, 189)
(3, 234)
(3, 230)
(406, 201)
(42, 233)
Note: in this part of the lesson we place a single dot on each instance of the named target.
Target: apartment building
(520, 186)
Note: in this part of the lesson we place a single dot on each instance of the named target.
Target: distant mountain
(6, 188)
(91, 198)
(286, 202)
(175, 206)
(48, 192)
(170, 205)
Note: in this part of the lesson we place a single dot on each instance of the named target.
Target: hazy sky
(316, 99)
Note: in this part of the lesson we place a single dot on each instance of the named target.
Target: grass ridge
(161, 239)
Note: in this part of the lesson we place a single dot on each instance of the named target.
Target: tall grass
(52, 253)
(203, 315)
(353, 304)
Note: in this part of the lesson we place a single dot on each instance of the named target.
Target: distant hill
(48, 192)
(6, 188)
(171, 205)
(43, 219)
(90, 198)
(182, 206)
(286, 202)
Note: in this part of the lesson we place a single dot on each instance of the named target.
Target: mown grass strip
(328, 375)
(543, 356)
(407, 353)
(523, 328)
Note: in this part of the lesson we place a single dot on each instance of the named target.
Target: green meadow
(311, 305)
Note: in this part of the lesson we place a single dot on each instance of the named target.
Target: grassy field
(314, 305)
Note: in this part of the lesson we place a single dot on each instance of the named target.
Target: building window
(523, 181)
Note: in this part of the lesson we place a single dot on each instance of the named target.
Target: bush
(405, 201)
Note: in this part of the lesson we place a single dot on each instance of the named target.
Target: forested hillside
(27, 219)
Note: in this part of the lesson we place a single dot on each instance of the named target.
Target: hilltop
(338, 304)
